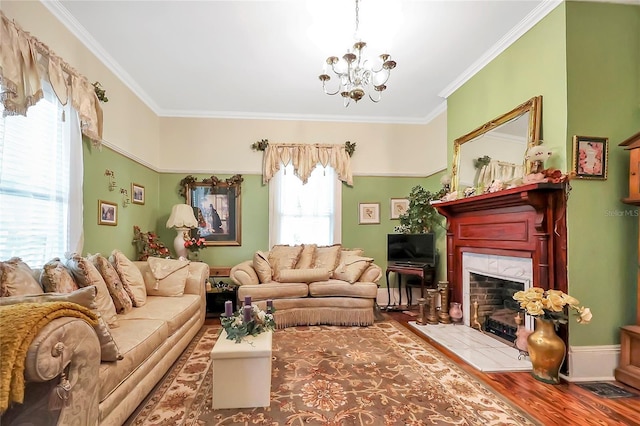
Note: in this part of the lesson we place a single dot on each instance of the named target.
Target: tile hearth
(479, 350)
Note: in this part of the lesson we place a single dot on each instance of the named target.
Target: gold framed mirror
(497, 149)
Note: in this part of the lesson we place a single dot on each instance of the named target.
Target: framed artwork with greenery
(216, 205)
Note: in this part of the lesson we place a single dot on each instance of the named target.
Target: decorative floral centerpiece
(550, 304)
(194, 242)
(148, 244)
(249, 320)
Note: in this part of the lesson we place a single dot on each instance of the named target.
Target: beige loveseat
(140, 344)
(311, 285)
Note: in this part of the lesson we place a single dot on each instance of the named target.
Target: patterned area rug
(325, 375)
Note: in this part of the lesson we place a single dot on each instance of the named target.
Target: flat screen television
(411, 248)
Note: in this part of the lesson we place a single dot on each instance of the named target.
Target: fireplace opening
(497, 310)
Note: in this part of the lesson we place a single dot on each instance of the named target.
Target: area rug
(326, 375)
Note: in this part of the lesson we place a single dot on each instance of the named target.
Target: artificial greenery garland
(237, 329)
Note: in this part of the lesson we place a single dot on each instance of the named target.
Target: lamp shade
(182, 217)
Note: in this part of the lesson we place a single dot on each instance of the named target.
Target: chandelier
(356, 74)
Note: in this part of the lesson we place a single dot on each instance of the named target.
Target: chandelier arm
(388, 74)
(376, 100)
(324, 88)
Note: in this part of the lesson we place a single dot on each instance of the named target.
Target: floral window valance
(25, 62)
(304, 158)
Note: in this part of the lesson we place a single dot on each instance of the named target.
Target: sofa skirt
(346, 311)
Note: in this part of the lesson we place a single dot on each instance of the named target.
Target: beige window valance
(25, 62)
(304, 158)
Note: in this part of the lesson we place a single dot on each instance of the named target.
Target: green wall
(103, 238)
(603, 75)
(583, 59)
(162, 192)
(255, 215)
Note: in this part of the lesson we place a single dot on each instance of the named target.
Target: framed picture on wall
(590, 157)
(399, 206)
(107, 213)
(368, 213)
(216, 206)
(137, 193)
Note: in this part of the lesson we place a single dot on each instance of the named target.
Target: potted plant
(421, 217)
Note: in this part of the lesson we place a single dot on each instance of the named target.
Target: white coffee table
(242, 371)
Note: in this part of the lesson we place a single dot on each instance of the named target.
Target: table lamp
(182, 219)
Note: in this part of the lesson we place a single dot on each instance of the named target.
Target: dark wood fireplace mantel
(527, 221)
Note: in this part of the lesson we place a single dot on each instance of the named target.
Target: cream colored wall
(129, 125)
(211, 145)
(223, 145)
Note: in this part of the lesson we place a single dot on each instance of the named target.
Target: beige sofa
(311, 285)
(149, 338)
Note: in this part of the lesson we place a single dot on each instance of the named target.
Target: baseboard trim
(593, 363)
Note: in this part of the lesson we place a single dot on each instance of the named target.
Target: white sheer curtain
(41, 174)
(305, 213)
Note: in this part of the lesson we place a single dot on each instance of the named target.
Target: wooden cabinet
(633, 146)
(628, 371)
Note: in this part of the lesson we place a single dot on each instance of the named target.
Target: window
(40, 182)
(309, 213)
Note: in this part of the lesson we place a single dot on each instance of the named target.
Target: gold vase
(546, 351)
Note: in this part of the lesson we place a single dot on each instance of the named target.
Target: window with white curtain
(40, 182)
(305, 214)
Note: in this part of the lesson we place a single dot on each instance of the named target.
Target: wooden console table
(426, 274)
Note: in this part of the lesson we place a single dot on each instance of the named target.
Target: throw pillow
(328, 256)
(131, 278)
(307, 256)
(56, 278)
(283, 257)
(16, 278)
(86, 297)
(85, 275)
(304, 275)
(121, 299)
(351, 268)
(165, 277)
(262, 267)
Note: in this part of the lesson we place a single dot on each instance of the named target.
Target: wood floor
(565, 404)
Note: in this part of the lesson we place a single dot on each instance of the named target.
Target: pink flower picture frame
(590, 157)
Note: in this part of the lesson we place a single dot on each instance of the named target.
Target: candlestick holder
(475, 323)
(443, 315)
(432, 316)
(422, 311)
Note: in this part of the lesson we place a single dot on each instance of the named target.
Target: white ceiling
(261, 59)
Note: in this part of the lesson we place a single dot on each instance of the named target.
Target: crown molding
(80, 32)
(290, 117)
(516, 32)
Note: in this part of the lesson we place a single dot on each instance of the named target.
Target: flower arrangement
(148, 244)
(194, 242)
(550, 305)
(249, 320)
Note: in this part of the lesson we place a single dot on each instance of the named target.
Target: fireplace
(517, 234)
(492, 281)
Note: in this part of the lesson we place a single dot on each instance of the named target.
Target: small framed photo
(107, 213)
(137, 193)
(590, 157)
(399, 206)
(368, 213)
